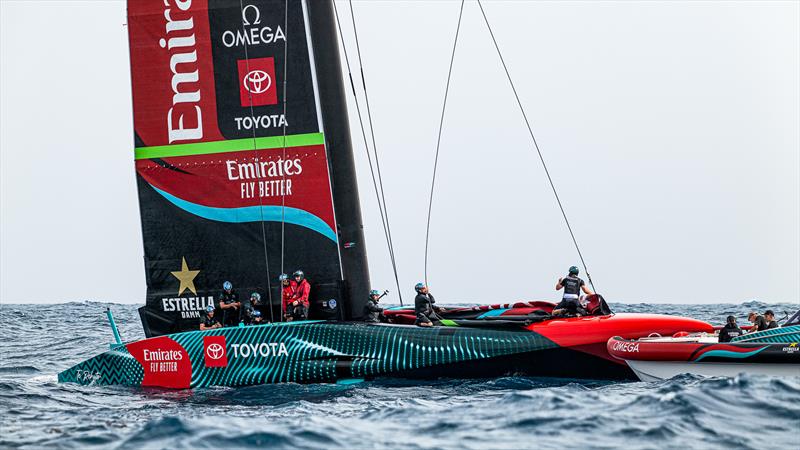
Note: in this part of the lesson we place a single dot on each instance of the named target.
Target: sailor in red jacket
(287, 292)
(298, 308)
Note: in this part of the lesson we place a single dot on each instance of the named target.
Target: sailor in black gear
(424, 308)
(769, 317)
(570, 302)
(372, 312)
(207, 320)
(252, 316)
(759, 324)
(730, 330)
(230, 305)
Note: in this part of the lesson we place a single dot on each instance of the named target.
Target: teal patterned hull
(782, 335)
(302, 352)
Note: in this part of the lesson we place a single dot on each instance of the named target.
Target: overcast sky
(671, 130)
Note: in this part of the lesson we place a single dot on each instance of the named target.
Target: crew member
(759, 324)
(769, 317)
(287, 292)
(207, 320)
(298, 308)
(372, 312)
(424, 306)
(230, 305)
(570, 302)
(251, 309)
(253, 317)
(730, 330)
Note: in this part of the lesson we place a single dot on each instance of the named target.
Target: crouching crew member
(730, 330)
(230, 305)
(759, 324)
(372, 312)
(424, 306)
(251, 314)
(207, 320)
(253, 317)
(570, 302)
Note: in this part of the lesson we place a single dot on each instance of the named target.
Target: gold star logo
(186, 277)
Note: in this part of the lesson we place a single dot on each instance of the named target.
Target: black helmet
(299, 273)
(574, 270)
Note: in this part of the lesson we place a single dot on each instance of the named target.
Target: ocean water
(36, 342)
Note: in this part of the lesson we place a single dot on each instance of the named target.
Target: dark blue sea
(36, 342)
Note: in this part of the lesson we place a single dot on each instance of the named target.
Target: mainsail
(243, 156)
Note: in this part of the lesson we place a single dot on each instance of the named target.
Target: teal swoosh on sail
(266, 213)
(729, 354)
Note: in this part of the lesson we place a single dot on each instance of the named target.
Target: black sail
(243, 157)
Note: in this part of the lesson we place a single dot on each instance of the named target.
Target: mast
(352, 246)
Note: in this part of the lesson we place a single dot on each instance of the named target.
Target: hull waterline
(658, 370)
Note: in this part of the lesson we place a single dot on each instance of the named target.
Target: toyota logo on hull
(257, 81)
(215, 351)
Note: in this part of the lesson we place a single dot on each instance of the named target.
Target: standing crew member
(299, 304)
(207, 321)
(730, 330)
(423, 306)
(572, 286)
(230, 305)
(287, 292)
(373, 312)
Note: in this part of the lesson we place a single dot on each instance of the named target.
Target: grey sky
(670, 129)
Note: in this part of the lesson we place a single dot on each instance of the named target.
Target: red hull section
(623, 349)
(591, 334)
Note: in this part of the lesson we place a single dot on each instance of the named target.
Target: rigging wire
(439, 139)
(283, 155)
(255, 149)
(375, 150)
(536, 146)
(381, 205)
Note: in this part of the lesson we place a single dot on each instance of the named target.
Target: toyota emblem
(215, 351)
(257, 81)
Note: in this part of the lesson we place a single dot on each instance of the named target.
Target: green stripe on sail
(448, 323)
(235, 145)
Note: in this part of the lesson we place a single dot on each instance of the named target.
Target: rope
(375, 149)
(255, 149)
(536, 146)
(381, 206)
(439, 139)
(283, 155)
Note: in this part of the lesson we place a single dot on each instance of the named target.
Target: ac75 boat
(481, 341)
(245, 170)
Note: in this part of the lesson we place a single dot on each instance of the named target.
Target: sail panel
(233, 184)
